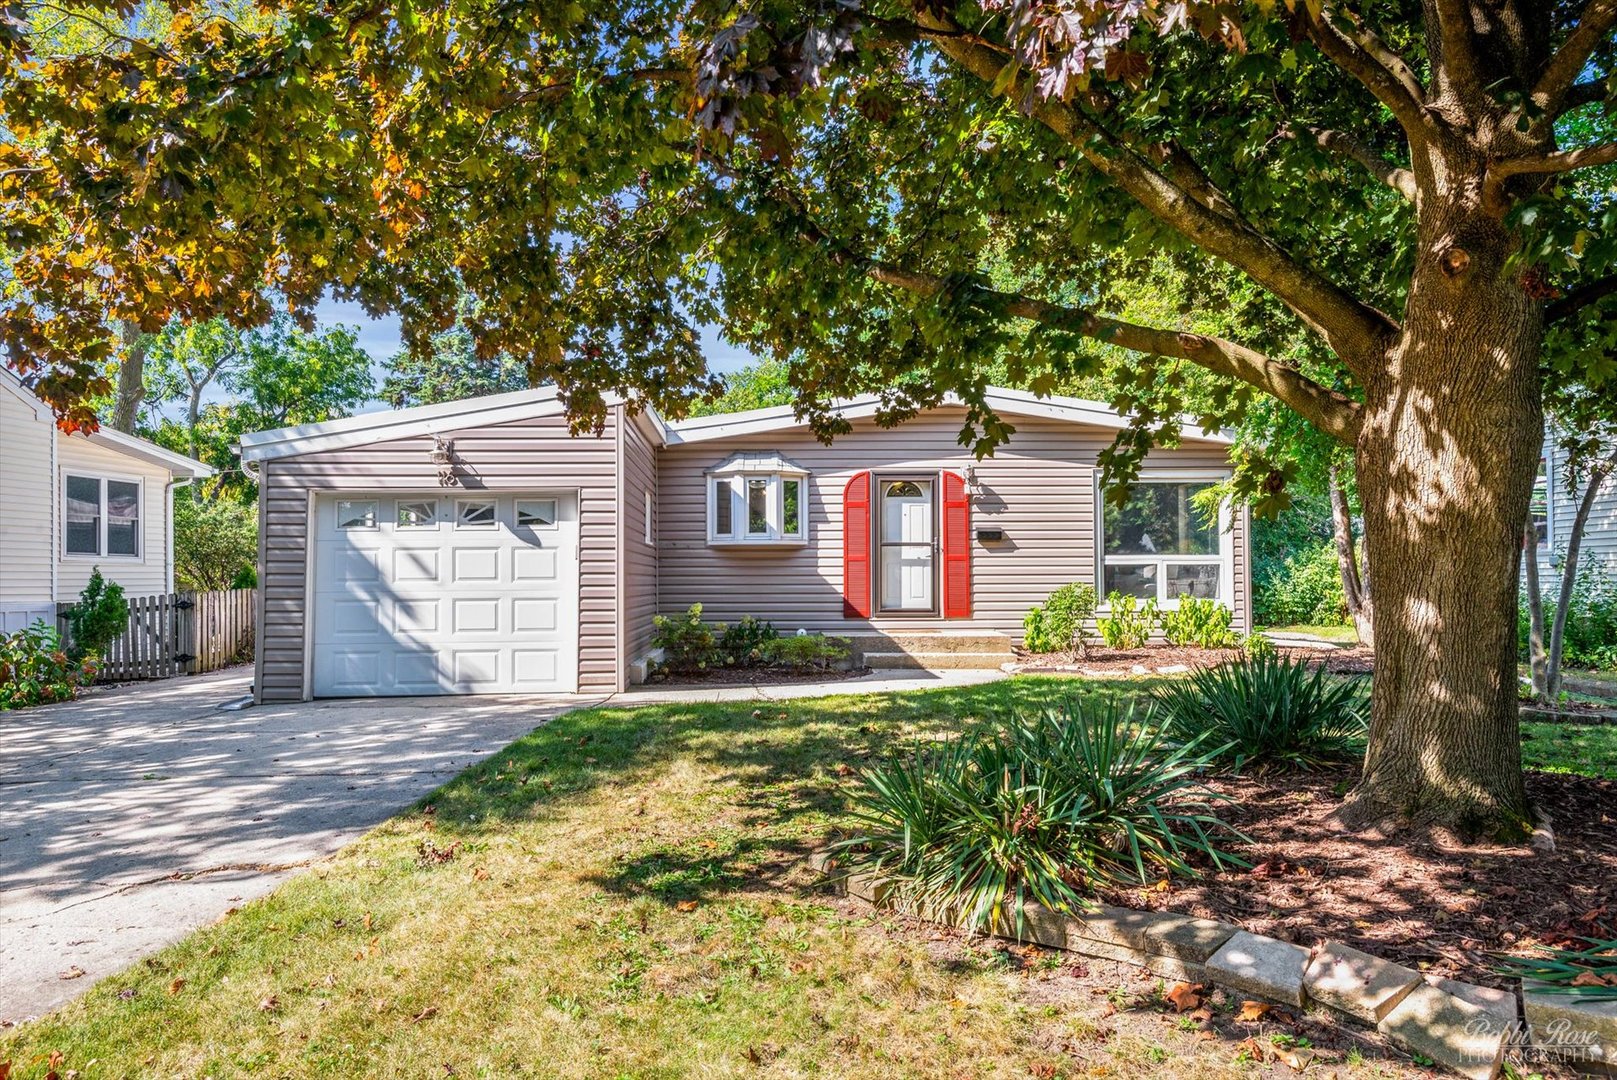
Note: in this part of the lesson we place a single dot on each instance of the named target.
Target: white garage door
(446, 593)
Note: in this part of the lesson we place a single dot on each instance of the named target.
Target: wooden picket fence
(185, 633)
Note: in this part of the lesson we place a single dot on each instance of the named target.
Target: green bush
(1130, 623)
(806, 652)
(1047, 809)
(689, 645)
(1303, 588)
(1057, 625)
(1268, 711)
(1256, 646)
(747, 642)
(1202, 622)
(35, 669)
(215, 544)
(1591, 622)
(100, 616)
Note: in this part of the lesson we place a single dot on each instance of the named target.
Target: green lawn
(624, 893)
(1585, 749)
(1345, 635)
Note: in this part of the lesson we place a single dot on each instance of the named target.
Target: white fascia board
(405, 423)
(176, 464)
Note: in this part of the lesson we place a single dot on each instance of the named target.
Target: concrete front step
(935, 641)
(937, 661)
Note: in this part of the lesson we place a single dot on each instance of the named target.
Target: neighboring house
(1555, 507)
(477, 546)
(70, 503)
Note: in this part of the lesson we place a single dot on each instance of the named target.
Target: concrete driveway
(132, 817)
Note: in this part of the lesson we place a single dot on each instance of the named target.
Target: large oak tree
(890, 194)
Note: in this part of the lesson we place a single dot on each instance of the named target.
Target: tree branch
(1577, 299)
(1567, 63)
(1356, 332)
(1359, 52)
(1559, 162)
(1335, 414)
(1456, 35)
(1342, 144)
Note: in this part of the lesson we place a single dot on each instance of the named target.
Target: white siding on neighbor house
(147, 574)
(1600, 534)
(529, 455)
(1039, 488)
(26, 523)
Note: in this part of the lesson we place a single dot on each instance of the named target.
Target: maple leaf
(1184, 996)
(176, 986)
(1253, 1011)
(686, 906)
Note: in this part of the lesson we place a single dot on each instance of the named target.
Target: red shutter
(956, 547)
(856, 548)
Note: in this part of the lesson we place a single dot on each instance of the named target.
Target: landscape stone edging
(1464, 1027)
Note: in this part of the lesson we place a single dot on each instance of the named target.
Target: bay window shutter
(856, 548)
(956, 547)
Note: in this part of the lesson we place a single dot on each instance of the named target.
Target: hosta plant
(1268, 711)
(1047, 808)
(1129, 623)
(1201, 622)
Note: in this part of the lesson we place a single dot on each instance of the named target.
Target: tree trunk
(1355, 586)
(131, 378)
(1446, 461)
(1537, 656)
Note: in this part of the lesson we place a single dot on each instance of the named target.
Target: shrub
(804, 652)
(1305, 587)
(1130, 623)
(1057, 625)
(1256, 646)
(1200, 621)
(35, 669)
(98, 618)
(1047, 809)
(746, 642)
(215, 544)
(1591, 621)
(1268, 711)
(687, 643)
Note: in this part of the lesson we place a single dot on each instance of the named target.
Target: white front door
(445, 592)
(906, 545)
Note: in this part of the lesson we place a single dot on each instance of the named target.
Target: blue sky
(380, 337)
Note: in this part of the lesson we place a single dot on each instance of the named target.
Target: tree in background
(449, 369)
(215, 544)
(756, 386)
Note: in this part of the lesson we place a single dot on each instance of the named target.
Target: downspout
(168, 551)
(56, 514)
(621, 664)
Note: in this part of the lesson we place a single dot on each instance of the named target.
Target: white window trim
(650, 518)
(1226, 540)
(775, 512)
(101, 538)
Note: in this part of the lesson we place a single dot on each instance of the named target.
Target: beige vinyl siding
(147, 575)
(639, 557)
(26, 499)
(1039, 488)
(528, 455)
(1599, 535)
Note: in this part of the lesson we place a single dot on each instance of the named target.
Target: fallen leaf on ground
(73, 972)
(176, 986)
(686, 905)
(1589, 978)
(1184, 996)
(1297, 1062)
(269, 1004)
(425, 1014)
(1252, 1011)
(1251, 1049)
(480, 874)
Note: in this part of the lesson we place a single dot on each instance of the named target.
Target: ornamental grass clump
(1268, 712)
(1048, 808)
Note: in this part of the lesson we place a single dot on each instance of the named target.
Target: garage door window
(419, 514)
(471, 514)
(536, 513)
(356, 514)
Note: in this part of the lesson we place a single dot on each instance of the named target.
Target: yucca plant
(1587, 974)
(1269, 712)
(1047, 809)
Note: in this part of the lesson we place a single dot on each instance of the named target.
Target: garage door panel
(406, 609)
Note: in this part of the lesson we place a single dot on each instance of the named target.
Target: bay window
(757, 499)
(1159, 545)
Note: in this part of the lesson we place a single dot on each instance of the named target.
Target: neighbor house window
(757, 498)
(1159, 545)
(1541, 504)
(101, 516)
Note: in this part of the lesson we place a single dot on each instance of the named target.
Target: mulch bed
(753, 676)
(1153, 658)
(1426, 901)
